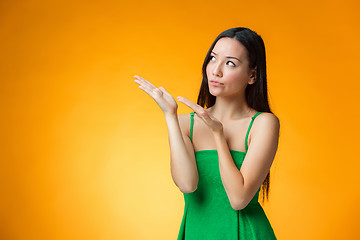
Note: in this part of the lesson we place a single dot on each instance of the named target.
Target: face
(229, 67)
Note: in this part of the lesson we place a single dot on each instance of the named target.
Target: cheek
(234, 77)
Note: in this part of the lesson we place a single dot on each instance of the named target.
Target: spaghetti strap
(247, 133)
(200, 219)
(191, 124)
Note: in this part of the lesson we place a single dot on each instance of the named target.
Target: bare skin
(183, 165)
(229, 66)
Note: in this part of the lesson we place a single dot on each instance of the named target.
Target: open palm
(165, 101)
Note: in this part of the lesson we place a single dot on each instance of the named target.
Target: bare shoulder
(267, 121)
(268, 117)
(266, 128)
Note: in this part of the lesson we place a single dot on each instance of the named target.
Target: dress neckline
(215, 150)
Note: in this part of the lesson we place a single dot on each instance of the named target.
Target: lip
(215, 83)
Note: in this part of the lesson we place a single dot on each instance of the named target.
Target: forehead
(230, 47)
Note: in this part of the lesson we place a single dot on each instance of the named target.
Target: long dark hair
(256, 94)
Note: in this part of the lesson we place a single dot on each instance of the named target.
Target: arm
(183, 165)
(242, 185)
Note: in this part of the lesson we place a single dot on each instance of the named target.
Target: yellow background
(84, 151)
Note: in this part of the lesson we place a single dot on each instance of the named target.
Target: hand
(214, 124)
(165, 101)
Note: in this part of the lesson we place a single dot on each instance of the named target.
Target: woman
(221, 155)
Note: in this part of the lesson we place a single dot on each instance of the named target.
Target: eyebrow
(228, 56)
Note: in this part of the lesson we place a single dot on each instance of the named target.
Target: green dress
(208, 214)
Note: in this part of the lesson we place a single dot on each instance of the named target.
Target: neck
(231, 108)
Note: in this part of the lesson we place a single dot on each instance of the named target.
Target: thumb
(163, 90)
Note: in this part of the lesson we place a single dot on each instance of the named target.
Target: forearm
(183, 165)
(231, 177)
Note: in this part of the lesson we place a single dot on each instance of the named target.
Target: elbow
(238, 204)
(188, 188)
(237, 207)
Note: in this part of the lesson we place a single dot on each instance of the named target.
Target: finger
(145, 89)
(154, 92)
(141, 82)
(197, 108)
(143, 86)
(148, 88)
(164, 91)
(157, 91)
(206, 116)
(200, 111)
(144, 81)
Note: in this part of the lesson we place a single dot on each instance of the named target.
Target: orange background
(84, 151)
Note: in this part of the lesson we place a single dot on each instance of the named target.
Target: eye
(212, 58)
(231, 63)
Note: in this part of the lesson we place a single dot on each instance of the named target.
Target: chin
(214, 94)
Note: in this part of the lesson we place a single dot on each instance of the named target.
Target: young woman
(221, 153)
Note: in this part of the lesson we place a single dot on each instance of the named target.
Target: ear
(252, 77)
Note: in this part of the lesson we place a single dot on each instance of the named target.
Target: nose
(217, 70)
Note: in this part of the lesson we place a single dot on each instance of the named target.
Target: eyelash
(227, 61)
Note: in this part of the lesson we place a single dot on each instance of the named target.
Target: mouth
(215, 83)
